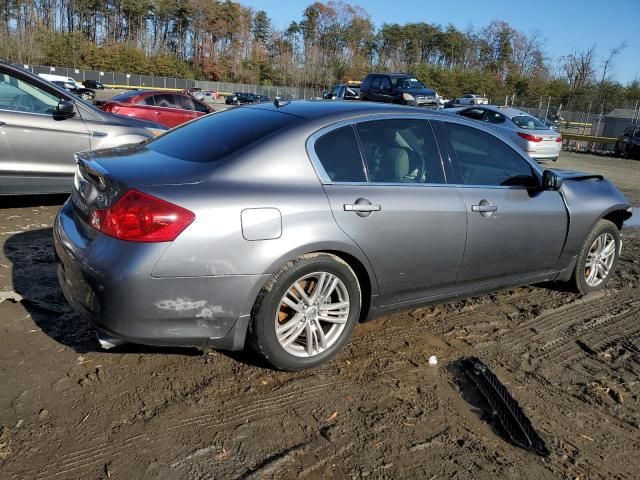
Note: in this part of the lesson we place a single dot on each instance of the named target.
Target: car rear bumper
(108, 282)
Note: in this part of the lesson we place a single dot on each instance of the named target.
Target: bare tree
(607, 64)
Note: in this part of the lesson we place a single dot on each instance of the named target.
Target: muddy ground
(69, 410)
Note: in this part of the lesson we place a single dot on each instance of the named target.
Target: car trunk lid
(103, 176)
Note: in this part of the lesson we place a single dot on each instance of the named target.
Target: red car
(166, 108)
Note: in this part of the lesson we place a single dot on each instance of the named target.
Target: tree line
(332, 41)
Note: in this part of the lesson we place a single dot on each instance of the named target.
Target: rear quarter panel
(275, 175)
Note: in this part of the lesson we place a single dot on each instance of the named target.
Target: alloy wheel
(600, 259)
(312, 314)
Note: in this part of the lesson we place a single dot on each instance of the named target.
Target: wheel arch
(617, 217)
(350, 254)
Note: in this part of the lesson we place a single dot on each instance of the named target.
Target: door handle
(361, 207)
(484, 208)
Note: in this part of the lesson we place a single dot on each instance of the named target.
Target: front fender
(587, 202)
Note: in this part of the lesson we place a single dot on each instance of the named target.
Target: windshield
(409, 83)
(527, 122)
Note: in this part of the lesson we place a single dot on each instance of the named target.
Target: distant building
(617, 120)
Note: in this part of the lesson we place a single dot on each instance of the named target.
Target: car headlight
(408, 97)
(155, 131)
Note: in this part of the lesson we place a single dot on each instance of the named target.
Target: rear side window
(148, 101)
(486, 160)
(214, 137)
(375, 83)
(339, 155)
(367, 82)
(385, 83)
(400, 151)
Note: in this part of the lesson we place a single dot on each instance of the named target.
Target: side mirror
(551, 181)
(66, 109)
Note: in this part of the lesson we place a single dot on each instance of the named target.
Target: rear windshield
(529, 123)
(125, 95)
(218, 135)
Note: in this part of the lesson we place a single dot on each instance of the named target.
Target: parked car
(59, 78)
(43, 125)
(471, 99)
(344, 91)
(287, 224)
(84, 93)
(261, 98)
(240, 98)
(195, 92)
(628, 144)
(401, 88)
(94, 84)
(166, 108)
(534, 137)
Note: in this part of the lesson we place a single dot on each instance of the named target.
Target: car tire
(85, 96)
(585, 280)
(290, 348)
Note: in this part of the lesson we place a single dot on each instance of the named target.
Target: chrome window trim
(26, 113)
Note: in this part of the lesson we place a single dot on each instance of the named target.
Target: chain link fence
(131, 80)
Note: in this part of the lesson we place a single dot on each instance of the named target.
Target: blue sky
(564, 24)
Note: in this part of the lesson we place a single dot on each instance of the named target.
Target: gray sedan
(285, 224)
(42, 125)
(538, 140)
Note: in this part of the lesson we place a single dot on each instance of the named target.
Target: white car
(471, 99)
(60, 78)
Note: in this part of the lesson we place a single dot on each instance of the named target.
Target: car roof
(394, 74)
(323, 108)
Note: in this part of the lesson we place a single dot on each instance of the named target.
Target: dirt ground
(71, 411)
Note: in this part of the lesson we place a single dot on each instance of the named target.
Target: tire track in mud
(555, 328)
(235, 413)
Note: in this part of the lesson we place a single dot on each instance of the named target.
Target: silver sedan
(285, 224)
(538, 140)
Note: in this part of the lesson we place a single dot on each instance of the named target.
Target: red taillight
(529, 137)
(559, 139)
(138, 217)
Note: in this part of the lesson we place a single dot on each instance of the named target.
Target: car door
(385, 90)
(374, 93)
(38, 144)
(514, 228)
(395, 205)
(167, 111)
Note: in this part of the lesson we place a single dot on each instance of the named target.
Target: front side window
(339, 155)
(400, 151)
(375, 84)
(409, 83)
(487, 160)
(19, 96)
(385, 84)
(183, 102)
